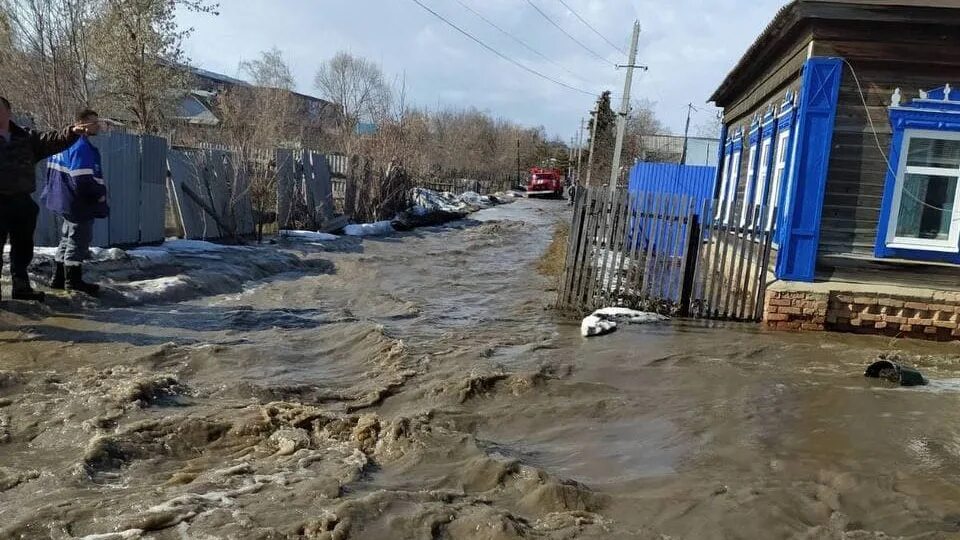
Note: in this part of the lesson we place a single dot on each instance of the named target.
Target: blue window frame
(749, 184)
(762, 184)
(730, 177)
(920, 214)
(782, 158)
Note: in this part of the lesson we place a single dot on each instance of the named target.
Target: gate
(662, 252)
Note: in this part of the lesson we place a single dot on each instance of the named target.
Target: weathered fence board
(153, 190)
(318, 186)
(186, 169)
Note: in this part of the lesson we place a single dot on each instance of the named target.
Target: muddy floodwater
(418, 388)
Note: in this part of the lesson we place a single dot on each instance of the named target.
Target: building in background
(196, 118)
(700, 151)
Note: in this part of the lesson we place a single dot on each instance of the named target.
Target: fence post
(690, 256)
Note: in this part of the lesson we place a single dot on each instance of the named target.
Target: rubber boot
(75, 281)
(23, 291)
(59, 281)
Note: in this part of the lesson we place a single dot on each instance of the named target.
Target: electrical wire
(595, 31)
(876, 137)
(515, 38)
(500, 54)
(568, 34)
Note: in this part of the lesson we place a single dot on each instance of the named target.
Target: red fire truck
(545, 183)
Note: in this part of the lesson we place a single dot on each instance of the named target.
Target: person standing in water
(76, 191)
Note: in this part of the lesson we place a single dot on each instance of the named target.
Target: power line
(595, 31)
(500, 54)
(568, 34)
(515, 38)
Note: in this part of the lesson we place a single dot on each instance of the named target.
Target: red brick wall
(863, 313)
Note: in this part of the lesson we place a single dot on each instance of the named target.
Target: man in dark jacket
(75, 190)
(20, 150)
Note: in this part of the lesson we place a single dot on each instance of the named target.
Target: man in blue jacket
(76, 191)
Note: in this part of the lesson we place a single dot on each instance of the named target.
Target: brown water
(421, 390)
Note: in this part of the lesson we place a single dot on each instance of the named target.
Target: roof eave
(786, 20)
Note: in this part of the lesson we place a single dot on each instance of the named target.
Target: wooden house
(842, 135)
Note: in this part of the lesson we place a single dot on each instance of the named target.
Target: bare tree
(269, 71)
(357, 86)
(45, 56)
(139, 57)
(642, 123)
(255, 120)
(709, 128)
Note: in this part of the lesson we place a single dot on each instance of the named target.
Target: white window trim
(725, 180)
(748, 186)
(734, 179)
(779, 174)
(762, 185)
(952, 243)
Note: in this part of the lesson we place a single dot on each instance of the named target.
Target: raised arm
(48, 143)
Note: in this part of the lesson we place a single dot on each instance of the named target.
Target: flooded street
(419, 388)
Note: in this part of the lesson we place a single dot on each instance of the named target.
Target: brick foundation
(864, 313)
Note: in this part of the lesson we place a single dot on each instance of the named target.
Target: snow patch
(310, 236)
(606, 320)
(629, 315)
(596, 326)
(96, 254)
(380, 228)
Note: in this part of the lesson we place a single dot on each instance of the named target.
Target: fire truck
(545, 183)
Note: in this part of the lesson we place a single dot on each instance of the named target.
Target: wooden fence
(662, 252)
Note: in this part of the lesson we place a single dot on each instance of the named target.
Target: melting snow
(309, 236)
(380, 228)
(604, 321)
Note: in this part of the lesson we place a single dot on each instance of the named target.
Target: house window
(730, 189)
(748, 186)
(779, 172)
(725, 178)
(925, 214)
(762, 179)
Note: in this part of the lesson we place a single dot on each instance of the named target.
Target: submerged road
(418, 388)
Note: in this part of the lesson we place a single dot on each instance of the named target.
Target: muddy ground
(415, 386)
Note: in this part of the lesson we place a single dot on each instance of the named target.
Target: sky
(689, 46)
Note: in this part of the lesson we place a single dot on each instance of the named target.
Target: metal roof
(789, 18)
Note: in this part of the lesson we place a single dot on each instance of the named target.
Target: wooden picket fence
(662, 252)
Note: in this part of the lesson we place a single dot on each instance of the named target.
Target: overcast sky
(689, 45)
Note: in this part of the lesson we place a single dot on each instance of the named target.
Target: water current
(422, 389)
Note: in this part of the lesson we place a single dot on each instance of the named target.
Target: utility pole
(625, 108)
(519, 175)
(593, 139)
(583, 125)
(686, 133)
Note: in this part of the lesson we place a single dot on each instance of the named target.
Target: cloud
(689, 46)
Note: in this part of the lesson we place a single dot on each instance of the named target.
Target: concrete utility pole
(583, 125)
(593, 139)
(625, 108)
(686, 133)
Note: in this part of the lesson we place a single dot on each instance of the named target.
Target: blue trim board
(820, 90)
(786, 120)
(936, 112)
